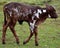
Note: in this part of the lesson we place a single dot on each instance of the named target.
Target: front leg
(31, 32)
(33, 29)
(36, 37)
(27, 40)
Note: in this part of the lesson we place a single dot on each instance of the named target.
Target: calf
(33, 15)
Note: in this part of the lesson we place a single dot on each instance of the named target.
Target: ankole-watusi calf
(33, 15)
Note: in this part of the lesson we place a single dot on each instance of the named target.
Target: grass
(48, 32)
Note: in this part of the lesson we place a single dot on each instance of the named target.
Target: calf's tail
(5, 18)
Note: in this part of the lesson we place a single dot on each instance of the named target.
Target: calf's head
(51, 11)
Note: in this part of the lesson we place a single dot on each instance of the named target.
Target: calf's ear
(48, 6)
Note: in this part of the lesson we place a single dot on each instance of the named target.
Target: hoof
(36, 44)
(3, 43)
(24, 43)
(17, 42)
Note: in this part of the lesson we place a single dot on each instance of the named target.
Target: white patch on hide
(16, 11)
(30, 11)
(49, 16)
(39, 11)
(37, 15)
(33, 17)
(34, 12)
(32, 25)
(10, 13)
(44, 11)
(5, 7)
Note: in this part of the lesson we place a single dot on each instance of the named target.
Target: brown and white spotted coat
(33, 15)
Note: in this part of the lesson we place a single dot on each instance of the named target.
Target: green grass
(48, 32)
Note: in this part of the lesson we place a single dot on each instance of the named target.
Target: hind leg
(36, 36)
(3, 34)
(11, 26)
(4, 31)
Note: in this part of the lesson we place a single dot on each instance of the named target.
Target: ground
(48, 32)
